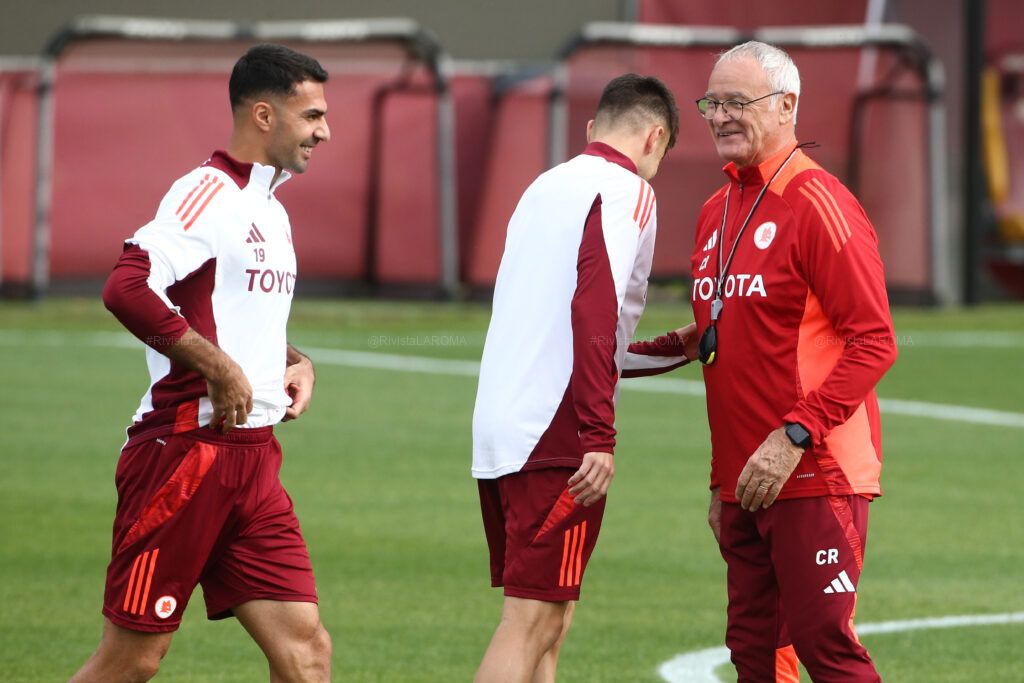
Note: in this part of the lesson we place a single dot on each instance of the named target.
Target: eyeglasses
(733, 108)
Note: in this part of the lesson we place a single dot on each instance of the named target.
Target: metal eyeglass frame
(711, 106)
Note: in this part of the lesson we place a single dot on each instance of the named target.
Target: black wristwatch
(798, 435)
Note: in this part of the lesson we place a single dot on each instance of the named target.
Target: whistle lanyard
(723, 271)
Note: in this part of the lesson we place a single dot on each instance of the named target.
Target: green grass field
(379, 471)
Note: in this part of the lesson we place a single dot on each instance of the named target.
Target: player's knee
(320, 649)
(313, 654)
(548, 628)
(134, 665)
(142, 667)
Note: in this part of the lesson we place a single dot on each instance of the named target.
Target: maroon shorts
(539, 539)
(793, 572)
(202, 508)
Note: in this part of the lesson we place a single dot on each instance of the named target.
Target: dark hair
(648, 95)
(271, 69)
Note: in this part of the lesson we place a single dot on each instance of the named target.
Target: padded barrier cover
(745, 14)
(518, 154)
(891, 184)
(18, 121)
(131, 117)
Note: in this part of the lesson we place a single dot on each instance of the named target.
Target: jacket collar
(609, 153)
(762, 173)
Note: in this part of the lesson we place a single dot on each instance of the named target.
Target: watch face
(798, 435)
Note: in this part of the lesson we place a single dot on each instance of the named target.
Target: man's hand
(715, 515)
(691, 340)
(767, 470)
(226, 385)
(299, 379)
(591, 481)
(231, 395)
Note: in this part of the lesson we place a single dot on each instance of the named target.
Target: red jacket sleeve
(128, 295)
(654, 357)
(839, 255)
(595, 316)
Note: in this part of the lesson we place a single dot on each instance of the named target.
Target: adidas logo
(711, 242)
(255, 235)
(842, 584)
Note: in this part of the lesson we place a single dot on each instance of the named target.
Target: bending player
(570, 289)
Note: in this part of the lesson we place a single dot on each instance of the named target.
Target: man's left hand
(298, 382)
(767, 470)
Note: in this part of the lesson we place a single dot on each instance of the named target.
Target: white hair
(778, 67)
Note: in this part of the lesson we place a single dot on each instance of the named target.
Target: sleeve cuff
(597, 445)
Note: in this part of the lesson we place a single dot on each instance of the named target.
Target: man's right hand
(592, 479)
(226, 385)
(231, 396)
(715, 515)
(691, 341)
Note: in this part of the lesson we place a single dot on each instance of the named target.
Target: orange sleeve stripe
(831, 208)
(202, 208)
(639, 199)
(131, 583)
(831, 198)
(203, 188)
(647, 204)
(650, 210)
(824, 218)
(149, 580)
(189, 195)
(797, 165)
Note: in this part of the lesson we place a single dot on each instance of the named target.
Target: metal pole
(974, 43)
(447, 198)
(558, 117)
(943, 271)
(44, 181)
(6, 99)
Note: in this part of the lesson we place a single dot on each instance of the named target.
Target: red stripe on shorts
(572, 556)
(131, 583)
(844, 515)
(559, 511)
(138, 584)
(149, 580)
(579, 553)
(174, 494)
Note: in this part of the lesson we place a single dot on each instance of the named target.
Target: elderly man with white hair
(790, 304)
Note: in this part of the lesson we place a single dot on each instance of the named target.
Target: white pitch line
(467, 368)
(699, 666)
(685, 387)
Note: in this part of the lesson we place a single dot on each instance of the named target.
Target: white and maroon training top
(217, 257)
(569, 292)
